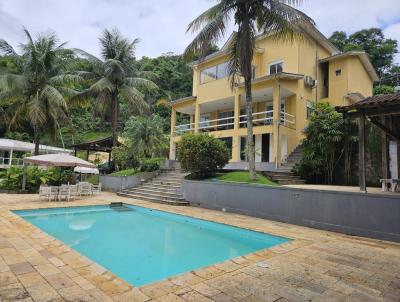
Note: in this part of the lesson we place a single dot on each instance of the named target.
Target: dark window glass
(338, 72)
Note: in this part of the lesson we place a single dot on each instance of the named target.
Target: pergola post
(361, 153)
(24, 168)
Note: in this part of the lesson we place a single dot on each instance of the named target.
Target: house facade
(288, 79)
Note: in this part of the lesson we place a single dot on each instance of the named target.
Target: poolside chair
(96, 188)
(68, 192)
(84, 188)
(48, 192)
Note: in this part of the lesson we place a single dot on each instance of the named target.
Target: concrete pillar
(237, 111)
(276, 102)
(171, 140)
(10, 157)
(197, 118)
(235, 148)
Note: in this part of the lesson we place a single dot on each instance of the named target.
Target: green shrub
(150, 165)
(202, 155)
(127, 172)
(54, 176)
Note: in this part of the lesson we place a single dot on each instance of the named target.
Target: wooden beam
(361, 153)
(384, 128)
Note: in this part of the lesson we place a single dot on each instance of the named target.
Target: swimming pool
(142, 245)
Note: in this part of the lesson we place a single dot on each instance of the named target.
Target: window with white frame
(275, 67)
(214, 73)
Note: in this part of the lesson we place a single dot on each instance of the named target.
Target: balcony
(263, 118)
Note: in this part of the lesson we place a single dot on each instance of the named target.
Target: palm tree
(146, 135)
(114, 77)
(35, 90)
(276, 17)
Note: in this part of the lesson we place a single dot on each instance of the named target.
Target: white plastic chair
(48, 192)
(96, 188)
(85, 188)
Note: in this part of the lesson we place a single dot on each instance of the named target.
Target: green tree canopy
(380, 49)
(35, 85)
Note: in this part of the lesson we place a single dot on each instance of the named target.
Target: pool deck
(315, 266)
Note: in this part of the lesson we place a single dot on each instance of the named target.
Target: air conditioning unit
(309, 82)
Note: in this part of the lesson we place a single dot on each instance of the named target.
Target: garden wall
(118, 183)
(361, 214)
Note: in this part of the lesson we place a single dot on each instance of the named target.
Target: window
(338, 72)
(275, 67)
(228, 118)
(214, 73)
(205, 120)
(310, 109)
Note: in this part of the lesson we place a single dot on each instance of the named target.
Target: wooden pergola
(99, 145)
(384, 112)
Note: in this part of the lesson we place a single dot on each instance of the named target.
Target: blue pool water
(142, 245)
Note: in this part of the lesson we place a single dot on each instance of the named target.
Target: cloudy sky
(160, 24)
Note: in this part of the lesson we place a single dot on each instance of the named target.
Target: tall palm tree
(37, 89)
(114, 77)
(276, 17)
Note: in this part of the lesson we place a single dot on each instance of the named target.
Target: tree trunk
(250, 141)
(114, 118)
(36, 138)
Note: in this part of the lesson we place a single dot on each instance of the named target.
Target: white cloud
(161, 24)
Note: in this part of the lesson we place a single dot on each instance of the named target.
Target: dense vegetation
(201, 154)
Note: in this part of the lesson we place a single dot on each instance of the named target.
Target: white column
(10, 157)
(257, 147)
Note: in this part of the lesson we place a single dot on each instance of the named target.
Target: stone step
(292, 182)
(140, 191)
(155, 199)
(150, 185)
(158, 189)
(166, 182)
(162, 196)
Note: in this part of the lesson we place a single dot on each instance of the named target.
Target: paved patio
(315, 266)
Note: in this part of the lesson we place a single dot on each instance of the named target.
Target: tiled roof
(376, 101)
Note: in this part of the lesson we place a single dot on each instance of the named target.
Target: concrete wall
(369, 215)
(118, 183)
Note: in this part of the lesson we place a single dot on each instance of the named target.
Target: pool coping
(289, 240)
(102, 275)
(111, 286)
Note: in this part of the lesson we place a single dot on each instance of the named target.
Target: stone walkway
(315, 266)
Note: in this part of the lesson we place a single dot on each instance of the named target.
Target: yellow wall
(358, 78)
(298, 58)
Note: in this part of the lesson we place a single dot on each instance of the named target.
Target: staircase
(284, 175)
(165, 188)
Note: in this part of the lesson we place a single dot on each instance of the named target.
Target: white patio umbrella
(54, 160)
(85, 170)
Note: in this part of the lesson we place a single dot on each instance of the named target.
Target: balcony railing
(259, 119)
(288, 120)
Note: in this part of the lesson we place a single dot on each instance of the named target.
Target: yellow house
(288, 79)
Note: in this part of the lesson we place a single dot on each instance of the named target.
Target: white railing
(227, 123)
(5, 161)
(288, 120)
(259, 118)
(181, 129)
(266, 118)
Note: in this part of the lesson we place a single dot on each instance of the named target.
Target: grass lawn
(244, 176)
(127, 172)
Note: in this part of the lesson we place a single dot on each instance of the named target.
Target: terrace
(316, 265)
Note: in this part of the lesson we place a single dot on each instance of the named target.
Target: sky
(161, 24)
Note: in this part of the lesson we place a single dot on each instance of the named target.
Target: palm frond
(134, 97)
(211, 33)
(102, 85)
(6, 49)
(91, 58)
(65, 79)
(141, 82)
(10, 82)
(54, 98)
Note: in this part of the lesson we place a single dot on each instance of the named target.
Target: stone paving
(315, 266)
